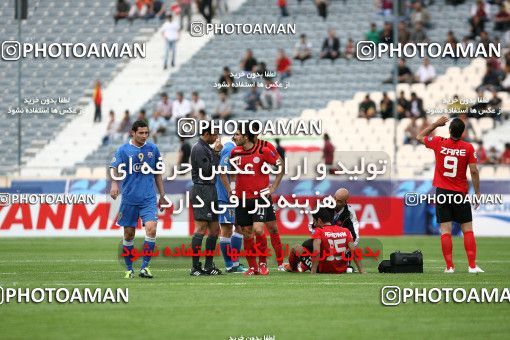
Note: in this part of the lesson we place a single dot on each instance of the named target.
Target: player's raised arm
(425, 132)
(352, 248)
(316, 255)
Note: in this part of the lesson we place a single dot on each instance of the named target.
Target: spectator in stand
(479, 15)
(349, 49)
(416, 106)
(484, 40)
(252, 99)
(491, 80)
(452, 41)
(373, 35)
(493, 156)
(404, 74)
(303, 49)
(457, 107)
(481, 153)
(270, 97)
(181, 107)
(111, 129)
(205, 8)
(142, 115)
(184, 153)
(328, 153)
(157, 126)
(404, 36)
(466, 135)
(418, 35)
(122, 11)
(248, 63)
(185, 7)
(330, 47)
(139, 9)
(386, 35)
(495, 104)
(282, 4)
(202, 115)
(223, 108)
(170, 32)
(502, 19)
(386, 106)
(98, 100)
(283, 65)
(197, 104)
(426, 72)
(367, 108)
(386, 7)
(226, 80)
(403, 106)
(420, 15)
(322, 8)
(164, 107)
(411, 132)
(505, 157)
(125, 125)
(279, 148)
(475, 111)
(156, 9)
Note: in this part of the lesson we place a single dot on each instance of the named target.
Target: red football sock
(470, 246)
(276, 242)
(262, 246)
(249, 247)
(446, 245)
(293, 260)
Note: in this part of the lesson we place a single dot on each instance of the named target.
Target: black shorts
(244, 218)
(208, 195)
(307, 260)
(449, 211)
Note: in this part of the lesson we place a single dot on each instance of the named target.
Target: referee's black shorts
(208, 195)
(449, 211)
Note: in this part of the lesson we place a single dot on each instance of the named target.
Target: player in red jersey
(248, 155)
(327, 247)
(272, 226)
(453, 156)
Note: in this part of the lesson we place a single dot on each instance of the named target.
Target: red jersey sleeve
(473, 157)
(269, 156)
(432, 142)
(317, 234)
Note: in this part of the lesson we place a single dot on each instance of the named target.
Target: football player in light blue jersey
(228, 240)
(138, 194)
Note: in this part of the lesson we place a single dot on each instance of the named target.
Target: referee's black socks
(196, 245)
(210, 245)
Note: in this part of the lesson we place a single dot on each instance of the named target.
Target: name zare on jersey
(452, 152)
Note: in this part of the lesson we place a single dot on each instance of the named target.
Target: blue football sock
(148, 245)
(225, 246)
(236, 243)
(128, 259)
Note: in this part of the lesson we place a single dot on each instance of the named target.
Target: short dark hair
(244, 128)
(194, 93)
(209, 129)
(164, 94)
(326, 136)
(457, 127)
(139, 124)
(325, 214)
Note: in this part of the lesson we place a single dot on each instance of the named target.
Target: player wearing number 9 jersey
(453, 156)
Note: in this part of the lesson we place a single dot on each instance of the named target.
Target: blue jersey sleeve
(119, 158)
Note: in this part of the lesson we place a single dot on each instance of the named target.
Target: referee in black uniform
(204, 158)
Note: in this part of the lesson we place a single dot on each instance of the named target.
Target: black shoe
(212, 271)
(198, 271)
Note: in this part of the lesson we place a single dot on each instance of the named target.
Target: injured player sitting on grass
(324, 252)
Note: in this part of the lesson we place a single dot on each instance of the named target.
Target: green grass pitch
(174, 305)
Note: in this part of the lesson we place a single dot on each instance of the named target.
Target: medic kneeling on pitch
(325, 251)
